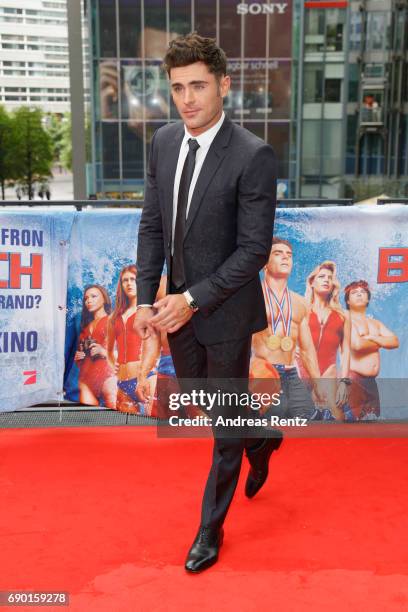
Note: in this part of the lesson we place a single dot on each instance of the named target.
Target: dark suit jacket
(228, 233)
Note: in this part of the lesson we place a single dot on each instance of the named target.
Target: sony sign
(256, 8)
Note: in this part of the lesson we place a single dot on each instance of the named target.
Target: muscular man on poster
(274, 347)
(209, 211)
(368, 336)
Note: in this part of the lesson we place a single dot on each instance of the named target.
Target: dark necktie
(177, 266)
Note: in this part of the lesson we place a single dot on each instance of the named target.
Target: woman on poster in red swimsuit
(132, 358)
(331, 331)
(97, 380)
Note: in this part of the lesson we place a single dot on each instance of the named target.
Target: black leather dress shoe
(259, 461)
(205, 548)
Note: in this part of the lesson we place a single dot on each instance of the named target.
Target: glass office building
(324, 82)
(131, 95)
(354, 108)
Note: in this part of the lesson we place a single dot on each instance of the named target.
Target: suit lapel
(212, 162)
(171, 166)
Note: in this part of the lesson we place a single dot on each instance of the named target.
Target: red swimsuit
(128, 342)
(326, 338)
(94, 372)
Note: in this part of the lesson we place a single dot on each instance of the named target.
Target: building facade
(324, 82)
(34, 62)
(354, 107)
(131, 95)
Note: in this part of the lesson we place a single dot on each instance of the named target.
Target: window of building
(110, 150)
(12, 46)
(205, 17)
(374, 71)
(313, 83)
(371, 160)
(10, 72)
(332, 90)
(372, 107)
(332, 150)
(314, 23)
(278, 135)
(230, 25)
(354, 80)
(154, 32)
(378, 31)
(335, 19)
(180, 15)
(256, 99)
(311, 147)
(11, 19)
(352, 130)
(13, 37)
(14, 64)
(355, 31)
(279, 90)
(106, 29)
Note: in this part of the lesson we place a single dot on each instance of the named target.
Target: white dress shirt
(204, 140)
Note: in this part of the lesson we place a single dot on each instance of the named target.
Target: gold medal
(273, 342)
(286, 344)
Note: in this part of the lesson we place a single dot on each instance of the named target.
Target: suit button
(169, 244)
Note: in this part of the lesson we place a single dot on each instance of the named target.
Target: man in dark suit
(209, 211)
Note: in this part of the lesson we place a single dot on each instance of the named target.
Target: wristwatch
(190, 301)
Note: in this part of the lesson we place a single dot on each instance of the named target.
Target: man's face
(358, 298)
(280, 261)
(198, 96)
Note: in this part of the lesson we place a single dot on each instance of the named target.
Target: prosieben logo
(255, 8)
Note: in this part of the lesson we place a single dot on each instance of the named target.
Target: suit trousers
(213, 365)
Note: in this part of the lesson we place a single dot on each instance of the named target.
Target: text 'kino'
(257, 9)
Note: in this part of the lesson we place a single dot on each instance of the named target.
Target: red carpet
(108, 514)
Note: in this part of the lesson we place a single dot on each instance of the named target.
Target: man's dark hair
(191, 48)
(277, 240)
(355, 285)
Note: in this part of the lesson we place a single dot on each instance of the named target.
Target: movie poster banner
(107, 364)
(336, 297)
(33, 279)
(348, 268)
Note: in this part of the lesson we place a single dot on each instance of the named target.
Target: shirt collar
(205, 139)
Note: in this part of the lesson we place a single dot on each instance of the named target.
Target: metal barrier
(84, 204)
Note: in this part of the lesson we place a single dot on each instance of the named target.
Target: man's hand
(108, 83)
(319, 391)
(342, 394)
(142, 322)
(174, 312)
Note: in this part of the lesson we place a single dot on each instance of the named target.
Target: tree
(55, 128)
(31, 148)
(6, 167)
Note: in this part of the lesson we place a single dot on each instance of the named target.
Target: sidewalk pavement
(61, 187)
